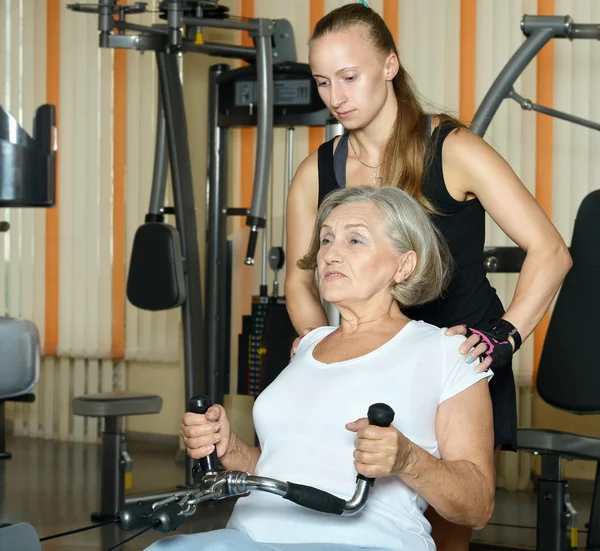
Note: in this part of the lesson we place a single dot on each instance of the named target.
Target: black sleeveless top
(469, 298)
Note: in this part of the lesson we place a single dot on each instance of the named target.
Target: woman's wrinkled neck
(369, 317)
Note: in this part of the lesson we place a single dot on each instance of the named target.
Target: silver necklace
(374, 168)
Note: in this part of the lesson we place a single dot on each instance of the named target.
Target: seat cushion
(564, 444)
(117, 404)
(19, 357)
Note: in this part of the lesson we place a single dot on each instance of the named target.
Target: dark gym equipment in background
(28, 164)
(27, 180)
(555, 514)
(184, 21)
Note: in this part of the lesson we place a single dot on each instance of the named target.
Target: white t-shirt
(300, 421)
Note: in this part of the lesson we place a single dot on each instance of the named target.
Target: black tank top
(469, 298)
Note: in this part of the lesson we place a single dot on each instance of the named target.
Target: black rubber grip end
(199, 404)
(381, 415)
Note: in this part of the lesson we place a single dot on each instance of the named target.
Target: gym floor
(55, 486)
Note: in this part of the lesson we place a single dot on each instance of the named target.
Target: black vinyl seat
(19, 374)
(19, 367)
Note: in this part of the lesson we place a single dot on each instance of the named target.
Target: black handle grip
(380, 415)
(318, 500)
(210, 463)
(251, 246)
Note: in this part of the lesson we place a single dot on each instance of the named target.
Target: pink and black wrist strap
(495, 335)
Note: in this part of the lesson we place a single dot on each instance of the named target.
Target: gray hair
(408, 227)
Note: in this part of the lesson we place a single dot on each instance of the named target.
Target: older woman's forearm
(542, 274)
(304, 306)
(457, 490)
(240, 456)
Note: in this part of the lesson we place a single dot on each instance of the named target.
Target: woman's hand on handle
(379, 451)
(201, 433)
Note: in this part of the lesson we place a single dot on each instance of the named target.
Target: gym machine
(178, 284)
(27, 180)
(232, 102)
(274, 90)
(28, 163)
(539, 30)
(556, 517)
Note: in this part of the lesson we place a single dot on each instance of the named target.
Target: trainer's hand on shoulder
(472, 348)
(201, 433)
(297, 340)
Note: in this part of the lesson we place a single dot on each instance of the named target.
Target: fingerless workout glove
(495, 335)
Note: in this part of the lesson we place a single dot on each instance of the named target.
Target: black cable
(134, 536)
(79, 530)
(502, 525)
(271, 198)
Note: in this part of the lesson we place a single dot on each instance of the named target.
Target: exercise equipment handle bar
(264, 133)
(539, 29)
(561, 26)
(528, 105)
(169, 513)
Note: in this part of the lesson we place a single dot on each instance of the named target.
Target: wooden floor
(55, 487)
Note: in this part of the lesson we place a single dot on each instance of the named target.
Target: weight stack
(251, 349)
(264, 344)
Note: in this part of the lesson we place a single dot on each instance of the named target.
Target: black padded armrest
(563, 444)
(116, 404)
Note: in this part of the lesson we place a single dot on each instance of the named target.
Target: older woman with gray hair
(375, 252)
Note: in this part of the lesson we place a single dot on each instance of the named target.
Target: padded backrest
(569, 370)
(19, 357)
(156, 273)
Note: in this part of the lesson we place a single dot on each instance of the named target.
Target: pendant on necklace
(374, 176)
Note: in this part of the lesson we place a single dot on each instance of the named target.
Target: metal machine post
(185, 212)
(216, 242)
